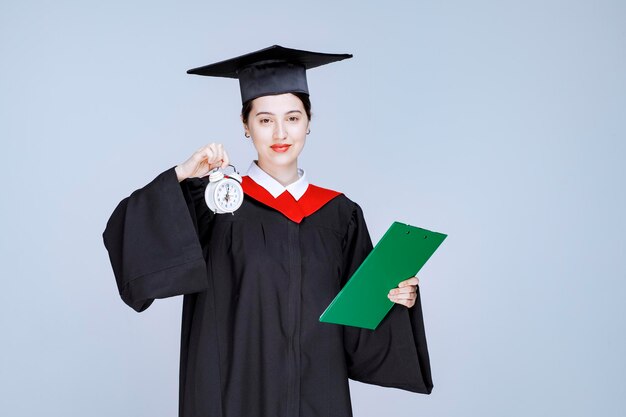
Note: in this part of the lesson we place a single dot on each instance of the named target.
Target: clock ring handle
(218, 169)
(234, 169)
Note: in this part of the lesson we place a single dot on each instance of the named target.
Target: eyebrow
(272, 114)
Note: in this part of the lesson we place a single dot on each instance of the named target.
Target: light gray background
(500, 123)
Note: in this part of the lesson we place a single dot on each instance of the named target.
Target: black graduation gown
(254, 286)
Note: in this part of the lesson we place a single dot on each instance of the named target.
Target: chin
(280, 160)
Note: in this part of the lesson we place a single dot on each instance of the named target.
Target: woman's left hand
(405, 293)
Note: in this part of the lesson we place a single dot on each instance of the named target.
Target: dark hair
(304, 98)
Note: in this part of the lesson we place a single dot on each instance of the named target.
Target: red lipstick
(280, 148)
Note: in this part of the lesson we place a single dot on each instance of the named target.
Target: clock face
(228, 195)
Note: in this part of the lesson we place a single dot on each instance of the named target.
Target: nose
(280, 132)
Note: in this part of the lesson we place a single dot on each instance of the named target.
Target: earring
(308, 131)
(246, 135)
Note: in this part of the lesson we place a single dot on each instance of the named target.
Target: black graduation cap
(273, 70)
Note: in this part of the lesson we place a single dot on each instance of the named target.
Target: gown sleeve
(395, 354)
(153, 242)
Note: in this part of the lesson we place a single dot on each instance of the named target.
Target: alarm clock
(224, 193)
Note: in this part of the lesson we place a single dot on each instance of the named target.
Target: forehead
(279, 103)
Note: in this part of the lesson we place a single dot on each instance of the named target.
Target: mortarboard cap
(273, 70)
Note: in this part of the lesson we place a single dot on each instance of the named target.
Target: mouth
(280, 148)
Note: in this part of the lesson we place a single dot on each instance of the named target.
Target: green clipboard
(399, 255)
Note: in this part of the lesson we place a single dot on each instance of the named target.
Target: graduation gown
(254, 286)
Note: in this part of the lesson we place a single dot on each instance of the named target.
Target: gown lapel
(312, 200)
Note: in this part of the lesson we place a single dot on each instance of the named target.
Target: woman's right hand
(203, 161)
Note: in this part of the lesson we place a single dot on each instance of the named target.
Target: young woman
(256, 282)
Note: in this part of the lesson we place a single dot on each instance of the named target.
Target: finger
(410, 281)
(207, 153)
(213, 148)
(226, 160)
(407, 296)
(204, 150)
(199, 155)
(218, 155)
(406, 303)
(404, 290)
(211, 153)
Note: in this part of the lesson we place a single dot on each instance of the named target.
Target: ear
(245, 126)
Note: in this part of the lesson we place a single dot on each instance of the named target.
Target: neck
(285, 175)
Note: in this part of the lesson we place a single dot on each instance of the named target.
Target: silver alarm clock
(224, 193)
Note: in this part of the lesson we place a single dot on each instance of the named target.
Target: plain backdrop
(500, 123)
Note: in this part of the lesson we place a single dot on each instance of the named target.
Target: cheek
(300, 130)
(258, 142)
(261, 136)
(300, 144)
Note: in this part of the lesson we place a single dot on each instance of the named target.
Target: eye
(264, 120)
(293, 118)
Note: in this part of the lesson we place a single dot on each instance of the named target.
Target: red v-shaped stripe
(312, 200)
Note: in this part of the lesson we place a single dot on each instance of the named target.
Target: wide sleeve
(153, 242)
(395, 354)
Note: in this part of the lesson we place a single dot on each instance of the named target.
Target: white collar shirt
(296, 188)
